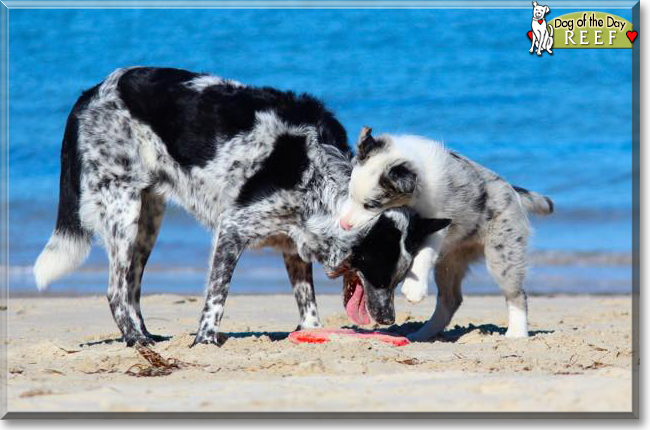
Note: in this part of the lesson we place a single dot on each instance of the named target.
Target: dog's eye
(372, 204)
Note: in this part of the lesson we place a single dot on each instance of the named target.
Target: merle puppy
(489, 219)
(257, 166)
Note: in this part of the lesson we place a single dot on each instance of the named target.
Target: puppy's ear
(366, 143)
(400, 178)
(429, 226)
(419, 228)
(534, 4)
(548, 9)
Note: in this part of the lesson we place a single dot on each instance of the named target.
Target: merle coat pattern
(488, 219)
(256, 166)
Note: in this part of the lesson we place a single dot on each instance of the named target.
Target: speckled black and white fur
(257, 166)
(489, 218)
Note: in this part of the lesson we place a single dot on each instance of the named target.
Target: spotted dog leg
(505, 257)
(228, 247)
(152, 213)
(121, 207)
(300, 275)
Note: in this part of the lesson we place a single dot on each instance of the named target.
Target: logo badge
(578, 30)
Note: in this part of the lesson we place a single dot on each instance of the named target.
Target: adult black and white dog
(488, 219)
(257, 166)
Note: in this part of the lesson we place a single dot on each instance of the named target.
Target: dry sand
(62, 356)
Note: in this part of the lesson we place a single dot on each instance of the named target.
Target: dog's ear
(400, 179)
(366, 143)
(534, 4)
(419, 228)
(429, 226)
(548, 9)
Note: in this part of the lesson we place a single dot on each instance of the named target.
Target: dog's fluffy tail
(70, 242)
(535, 202)
(62, 254)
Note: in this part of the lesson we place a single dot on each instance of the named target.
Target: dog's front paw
(305, 325)
(132, 338)
(414, 291)
(531, 50)
(209, 337)
(539, 53)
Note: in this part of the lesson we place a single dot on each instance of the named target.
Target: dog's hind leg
(549, 39)
(119, 214)
(300, 275)
(549, 45)
(449, 272)
(151, 216)
(505, 257)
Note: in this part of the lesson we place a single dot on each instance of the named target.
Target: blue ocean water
(560, 124)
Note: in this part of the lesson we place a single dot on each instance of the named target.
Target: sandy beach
(63, 356)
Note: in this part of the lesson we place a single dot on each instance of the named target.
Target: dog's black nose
(385, 318)
(386, 321)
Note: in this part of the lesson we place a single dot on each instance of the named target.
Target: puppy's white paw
(516, 333)
(414, 291)
(517, 322)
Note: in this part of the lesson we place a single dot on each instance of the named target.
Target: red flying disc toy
(322, 335)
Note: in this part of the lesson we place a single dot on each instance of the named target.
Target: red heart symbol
(540, 21)
(530, 35)
(631, 35)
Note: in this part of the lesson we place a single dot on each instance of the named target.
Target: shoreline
(264, 273)
(63, 355)
(24, 294)
(536, 258)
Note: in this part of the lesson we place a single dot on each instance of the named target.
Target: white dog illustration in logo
(542, 39)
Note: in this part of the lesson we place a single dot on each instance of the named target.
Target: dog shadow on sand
(449, 335)
(113, 340)
(274, 336)
(454, 334)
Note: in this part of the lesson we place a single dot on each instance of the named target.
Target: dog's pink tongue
(356, 307)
